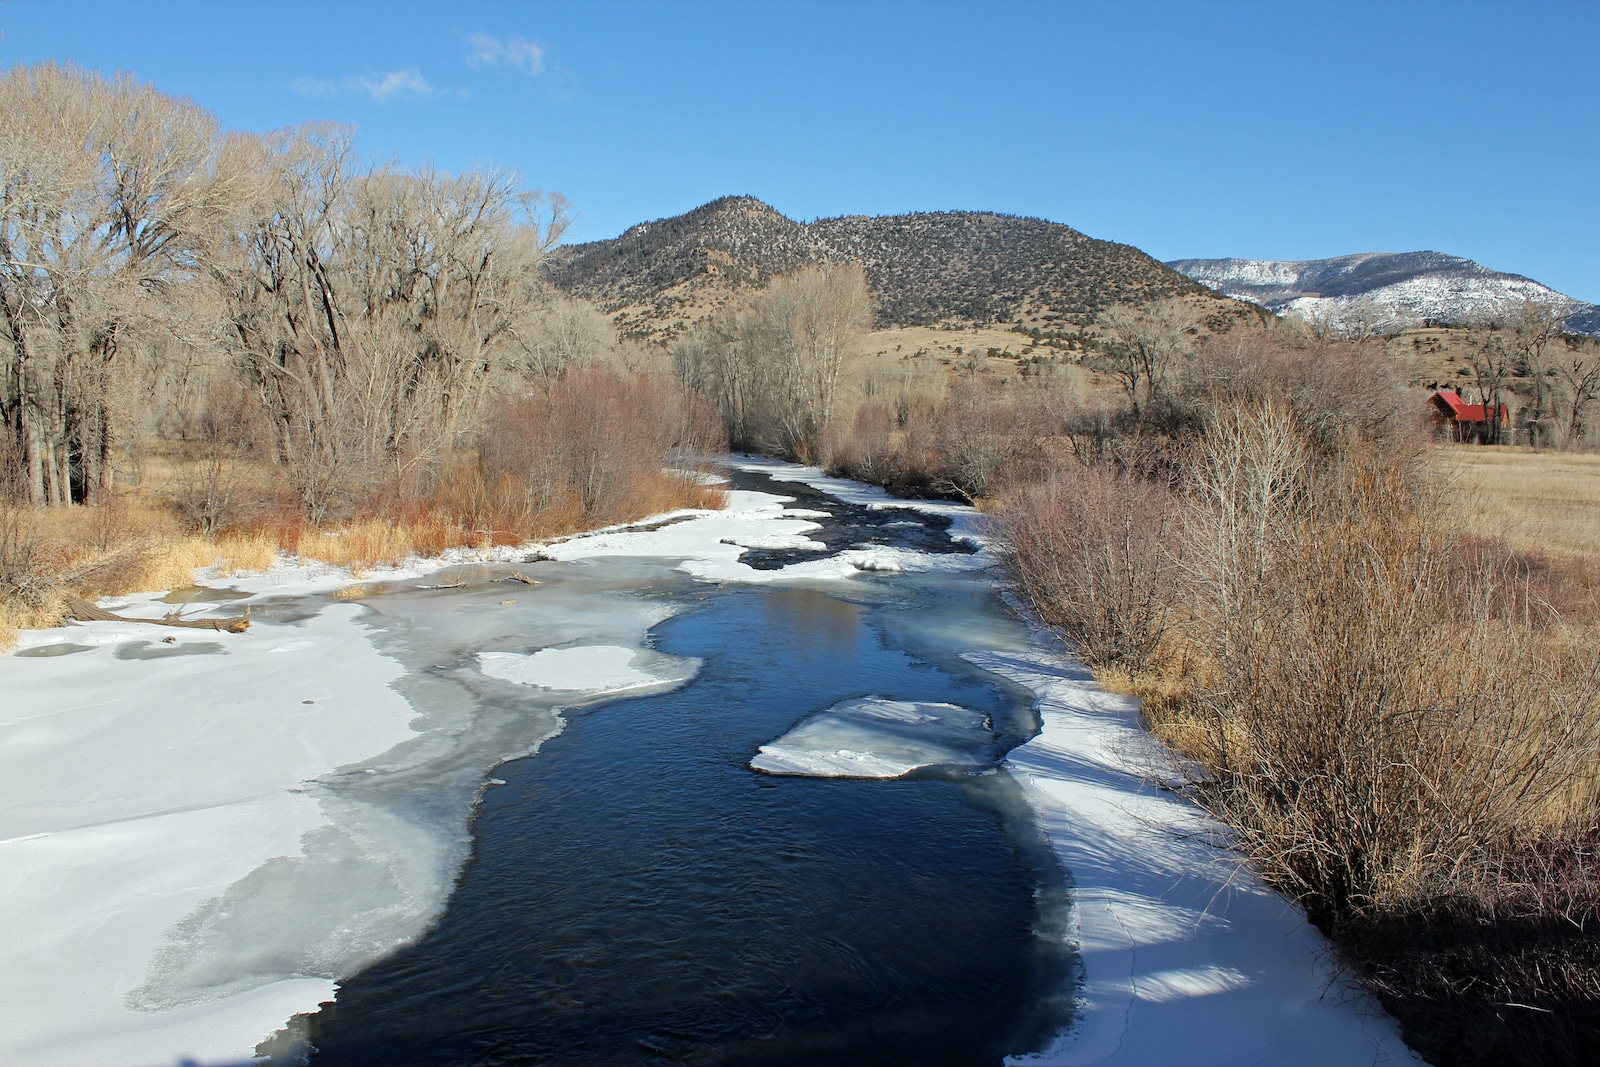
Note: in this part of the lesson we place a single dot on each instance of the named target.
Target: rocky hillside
(1404, 287)
(949, 267)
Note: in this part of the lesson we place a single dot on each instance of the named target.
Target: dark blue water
(638, 895)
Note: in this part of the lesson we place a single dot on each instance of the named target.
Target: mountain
(1403, 286)
(930, 268)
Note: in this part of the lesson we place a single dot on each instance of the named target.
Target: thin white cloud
(408, 84)
(313, 86)
(515, 52)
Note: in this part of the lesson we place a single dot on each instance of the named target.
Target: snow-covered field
(195, 844)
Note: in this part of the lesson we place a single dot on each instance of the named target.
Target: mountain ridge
(923, 268)
(1423, 286)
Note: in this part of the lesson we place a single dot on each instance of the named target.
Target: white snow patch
(874, 737)
(793, 542)
(966, 523)
(133, 790)
(592, 668)
(1187, 956)
(711, 542)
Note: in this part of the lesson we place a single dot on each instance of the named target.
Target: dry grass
(1546, 502)
(139, 543)
(359, 546)
(9, 625)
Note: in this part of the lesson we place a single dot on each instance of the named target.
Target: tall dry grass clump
(128, 544)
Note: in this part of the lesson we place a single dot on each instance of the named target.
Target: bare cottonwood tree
(1533, 327)
(568, 333)
(772, 365)
(1148, 343)
(1493, 361)
(724, 360)
(1579, 370)
(111, 195)
(375, 308)
(1514, 340)
(1356, 321)
(813, 319)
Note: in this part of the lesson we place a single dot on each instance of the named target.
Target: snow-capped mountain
(1409, 287)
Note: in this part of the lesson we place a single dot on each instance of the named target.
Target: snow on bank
(711, 542)
(874, 737)
(1187, 957)
(966, 524)
(139, 779)
(201, 832)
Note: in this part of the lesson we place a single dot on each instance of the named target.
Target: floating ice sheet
(585, 668)
(875, 737)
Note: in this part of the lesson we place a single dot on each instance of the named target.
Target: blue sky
(1274, 130)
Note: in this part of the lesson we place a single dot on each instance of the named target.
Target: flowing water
(636, 894)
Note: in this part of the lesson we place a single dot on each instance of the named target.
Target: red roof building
(1464, 421)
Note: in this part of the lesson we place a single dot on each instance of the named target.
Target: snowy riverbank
(1187, 957)
(197, 838)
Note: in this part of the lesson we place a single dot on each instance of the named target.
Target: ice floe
(592, 669)
(875, 737)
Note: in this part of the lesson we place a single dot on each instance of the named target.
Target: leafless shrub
(29, 571)
(1381, 714)
(1333, 388)
(1504, 970)
(867, 450)
(588, 449)
(217, 492)
(1090, 549)
(989, 439)
(1147, 345)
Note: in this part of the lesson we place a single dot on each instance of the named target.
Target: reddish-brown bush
(587, 450)
(1092, 549)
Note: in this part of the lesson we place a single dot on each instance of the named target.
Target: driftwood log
(84, 611)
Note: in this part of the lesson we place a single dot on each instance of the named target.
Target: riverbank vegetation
(215, 346)
(1372, 655)
(1398, 717)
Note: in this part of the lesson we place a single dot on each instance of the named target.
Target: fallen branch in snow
(84, 611)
